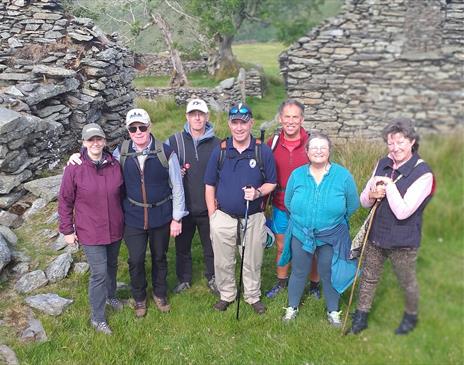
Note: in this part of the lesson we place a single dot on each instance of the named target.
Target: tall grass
(193, 333)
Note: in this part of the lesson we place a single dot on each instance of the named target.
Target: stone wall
(379, 59)
(57, 73)
(228, 92)
(159, 64)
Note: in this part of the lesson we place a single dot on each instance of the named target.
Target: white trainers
(101, 327)
(334, 318)
(290, 314)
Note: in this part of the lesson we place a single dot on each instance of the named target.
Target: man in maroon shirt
(289, 153)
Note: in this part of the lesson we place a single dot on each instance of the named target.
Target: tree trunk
(222, 63)
(178, 77)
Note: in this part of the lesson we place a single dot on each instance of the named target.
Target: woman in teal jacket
(320, 197)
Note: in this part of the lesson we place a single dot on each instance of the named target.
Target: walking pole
(374, 208)
(243, 258)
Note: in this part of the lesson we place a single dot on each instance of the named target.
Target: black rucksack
(158, 151)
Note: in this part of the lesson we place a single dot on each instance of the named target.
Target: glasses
(141, 128)
(314, 149)
(240, 109)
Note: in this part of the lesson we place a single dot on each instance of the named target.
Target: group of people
(147, 191)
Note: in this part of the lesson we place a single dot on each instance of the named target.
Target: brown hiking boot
(162, 304)
(140, 308)
(259, 307)
(221, 305)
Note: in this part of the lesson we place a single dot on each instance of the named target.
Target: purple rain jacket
(90, 200)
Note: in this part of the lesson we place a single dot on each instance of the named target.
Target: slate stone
(9, 219)
(81, 267)
(51, 304)
(37, 206)
(8, 355)
(9, 182)
(47, 91)
(51, 71)
(8, 235)
(59, 268)
(5, 254)
(46, 188)
(31, 281)
(34, 332)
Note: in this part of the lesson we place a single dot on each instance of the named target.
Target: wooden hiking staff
(374, 208)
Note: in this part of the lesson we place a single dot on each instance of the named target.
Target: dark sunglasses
(242, 110)
(142, 128)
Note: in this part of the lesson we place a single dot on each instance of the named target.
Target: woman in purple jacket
(91, 214)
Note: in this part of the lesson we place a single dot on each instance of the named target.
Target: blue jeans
(103, 262)
(301, 267)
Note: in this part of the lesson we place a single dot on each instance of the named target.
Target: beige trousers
(223, 230)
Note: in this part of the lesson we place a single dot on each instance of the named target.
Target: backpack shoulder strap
(259, 157)
(275, 139)
(159, 150)
(123, 152)
(179, 136)
(222, 154)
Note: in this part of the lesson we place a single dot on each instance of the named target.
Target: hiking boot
(181, 287)
(140, 308)
(101, 327)
(408, 323)
(259, 307)
(162, 304)
(358, 322)
(290, 314)
(115, 303)
(212, 286)
(315, 290)
(276, 289)
(221, 305)
(334, 318)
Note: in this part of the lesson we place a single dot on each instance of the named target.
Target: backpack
(275, 139)
(179, 138)
(158, 151)
(258, 156)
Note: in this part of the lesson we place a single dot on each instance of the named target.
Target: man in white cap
(193, 146)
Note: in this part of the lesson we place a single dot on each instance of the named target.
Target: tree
(137, 16)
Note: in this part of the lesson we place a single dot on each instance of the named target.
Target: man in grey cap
(193, 147)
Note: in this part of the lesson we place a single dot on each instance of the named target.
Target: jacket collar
(406, 168)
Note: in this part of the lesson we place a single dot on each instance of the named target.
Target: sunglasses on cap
(141, 128)
(239, 110)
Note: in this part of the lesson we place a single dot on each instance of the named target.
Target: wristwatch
(260, 193)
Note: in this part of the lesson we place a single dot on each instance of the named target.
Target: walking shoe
(101, 327)
(334, 318)
(162, 304)
(140, 308)
(276, 289)
(259, 307)
(115, 303)
(221, 305)
(408, 323)
(315, 290)
(212, 286)
(181, 287)
(290, 314)
(359, 321)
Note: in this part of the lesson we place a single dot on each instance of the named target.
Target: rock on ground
(49, 303)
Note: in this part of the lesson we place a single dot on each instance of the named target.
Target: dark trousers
(103, 262)
(136, 240)
(184, 248)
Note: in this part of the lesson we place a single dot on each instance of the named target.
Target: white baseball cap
(137, 115)
(197, 104)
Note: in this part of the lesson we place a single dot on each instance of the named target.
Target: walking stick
(243, 258)
(374, 208)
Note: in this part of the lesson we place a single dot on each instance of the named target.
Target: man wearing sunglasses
(193, 147)
(230, 183)
(154, 206)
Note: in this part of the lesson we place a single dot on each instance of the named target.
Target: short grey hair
(405, 126)
(318, 135)
(291, 102)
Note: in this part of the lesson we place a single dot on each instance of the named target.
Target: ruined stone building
(379, 59)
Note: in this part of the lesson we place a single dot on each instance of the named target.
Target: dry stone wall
(379, 59)
(159, 64)
(57, 73)
(228, 92)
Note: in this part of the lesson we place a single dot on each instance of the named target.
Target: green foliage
(196, 79)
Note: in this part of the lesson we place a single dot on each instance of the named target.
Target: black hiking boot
(408, 323)
(358, 322)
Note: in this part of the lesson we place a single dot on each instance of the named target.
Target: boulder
(5, 254)
(59, 268)
(81, 267)
(9, 235)
(46, 188)
(8, 356)
(51, 304)
(34, 332)
(31, 281)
